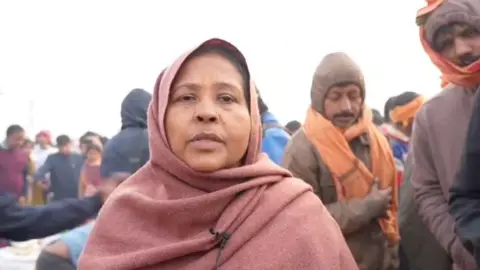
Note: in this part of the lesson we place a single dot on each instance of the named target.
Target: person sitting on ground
(208, 198)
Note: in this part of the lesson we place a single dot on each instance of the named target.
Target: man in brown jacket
(450, 35)
(348, 162)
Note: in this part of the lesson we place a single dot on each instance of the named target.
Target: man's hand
(44, 183)
(90, 190)
(22, 200)
(379, 200)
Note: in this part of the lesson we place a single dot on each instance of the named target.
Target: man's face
(28, 148)
(16, 140)
(65, 149)
(42, 140)
(343, 105)
(89, 139)
(406, 130)
(459, 43)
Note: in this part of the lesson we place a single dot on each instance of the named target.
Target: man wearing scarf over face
(449, 33)
(348, 162)
(464, 199)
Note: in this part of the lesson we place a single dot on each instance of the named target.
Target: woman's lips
(205, 144)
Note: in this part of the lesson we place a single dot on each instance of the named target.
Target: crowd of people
(203, 176)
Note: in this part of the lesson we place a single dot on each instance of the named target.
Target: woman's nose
(206, 112)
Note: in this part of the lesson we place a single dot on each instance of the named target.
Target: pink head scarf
(168, 216)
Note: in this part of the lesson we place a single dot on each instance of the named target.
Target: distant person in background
(402, 114)
(43, 148)
(275, 136)
(103, 140)
(377, 118)
(127, 151)
(124, 154)
(393, 135)
(293, 126)
(90, 178)
(88, 137)
(387, 127)
(389, 104)
(64, 168)
(13, 163)
(27, 147)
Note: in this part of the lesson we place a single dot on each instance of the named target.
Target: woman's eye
(226, 99)
(186, 98)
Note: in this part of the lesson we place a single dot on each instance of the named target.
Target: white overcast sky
(75, 60)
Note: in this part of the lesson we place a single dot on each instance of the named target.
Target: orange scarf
(402, 114)
(352, 178)
(468, 77)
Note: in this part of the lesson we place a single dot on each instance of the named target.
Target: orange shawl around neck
(168, 216)
(351, 176)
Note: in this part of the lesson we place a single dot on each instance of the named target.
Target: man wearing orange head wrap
(405, 107)
(450, 34)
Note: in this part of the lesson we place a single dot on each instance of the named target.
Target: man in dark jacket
(21, 223)
(64, 168)
(123, 155)
(127, 151)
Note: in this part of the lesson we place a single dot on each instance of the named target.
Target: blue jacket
(21, 223)
(64, 174)
(399, 149)
(128, 151)
(275, 138)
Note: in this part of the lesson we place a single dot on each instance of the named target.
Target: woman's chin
(204, 165)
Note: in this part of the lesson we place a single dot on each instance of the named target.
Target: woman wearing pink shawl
(208, 199)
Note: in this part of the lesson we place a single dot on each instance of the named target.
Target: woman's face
(93, 155)
(207, 120)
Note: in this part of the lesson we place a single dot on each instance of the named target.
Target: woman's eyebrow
(227, 85)
(187, 85)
